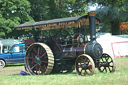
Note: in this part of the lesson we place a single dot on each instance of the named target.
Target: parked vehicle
(6, 44)
(16, 54)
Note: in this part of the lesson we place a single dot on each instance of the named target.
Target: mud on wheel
(85, 65)
(107, 63)
(39, 59)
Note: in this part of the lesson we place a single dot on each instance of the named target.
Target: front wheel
(84, 65)
(2, 64)
(107, 63)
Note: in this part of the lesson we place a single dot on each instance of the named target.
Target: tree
(50, 9)
(112, 12)
(78, 7)
(12, 13)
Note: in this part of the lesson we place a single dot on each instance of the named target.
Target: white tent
(5, 44)
(9, 42)
(117, 46)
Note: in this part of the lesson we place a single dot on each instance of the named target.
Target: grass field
(10, 76)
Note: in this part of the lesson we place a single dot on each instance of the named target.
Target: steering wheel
(63, 35)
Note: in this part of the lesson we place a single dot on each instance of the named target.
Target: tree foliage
(12, 13)
(112, 13)
(15, 12)
(50, 9)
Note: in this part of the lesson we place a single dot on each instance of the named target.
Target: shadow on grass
(65, 73)
(15, 65)
(72, 73)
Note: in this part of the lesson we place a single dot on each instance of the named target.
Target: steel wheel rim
(37, 59)
(2, 64)
(85, 65)
(107, 64)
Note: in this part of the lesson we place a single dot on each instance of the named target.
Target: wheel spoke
(105, 69)
(29, 57)
(102, 59)
(43, 55)
(39, 71)
(42, 69)
(107, 58)
(102, 70)
(111, 62)
(88, 62)
(110, 66)
(86, 72)
(33, 66)
(45, 67)
(33, 54)
(38, 51)
(34, 50)
(81, 71)
(82, 60)
(90, 70)
(45, 61)
(36, 68)
(109, 69)
(41, 50)
(89, 66)
(32, 62)
(85, 60)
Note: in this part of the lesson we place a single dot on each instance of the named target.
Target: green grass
(10, 76)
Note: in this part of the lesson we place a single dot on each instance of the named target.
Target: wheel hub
(84, 66)
(105, 64)
(37, 60)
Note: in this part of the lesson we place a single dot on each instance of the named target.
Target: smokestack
(92, 25)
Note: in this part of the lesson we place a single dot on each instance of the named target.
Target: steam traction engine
(64, 52)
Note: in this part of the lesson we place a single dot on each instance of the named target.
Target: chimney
(92, 25)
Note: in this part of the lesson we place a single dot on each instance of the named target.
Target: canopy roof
(57, 23)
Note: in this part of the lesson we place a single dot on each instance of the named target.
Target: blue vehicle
(15, 55)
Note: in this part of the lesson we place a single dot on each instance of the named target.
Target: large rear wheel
(39, 59)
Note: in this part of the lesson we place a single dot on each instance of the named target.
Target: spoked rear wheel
(107, 64)
(85, 65)
(39, 59)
